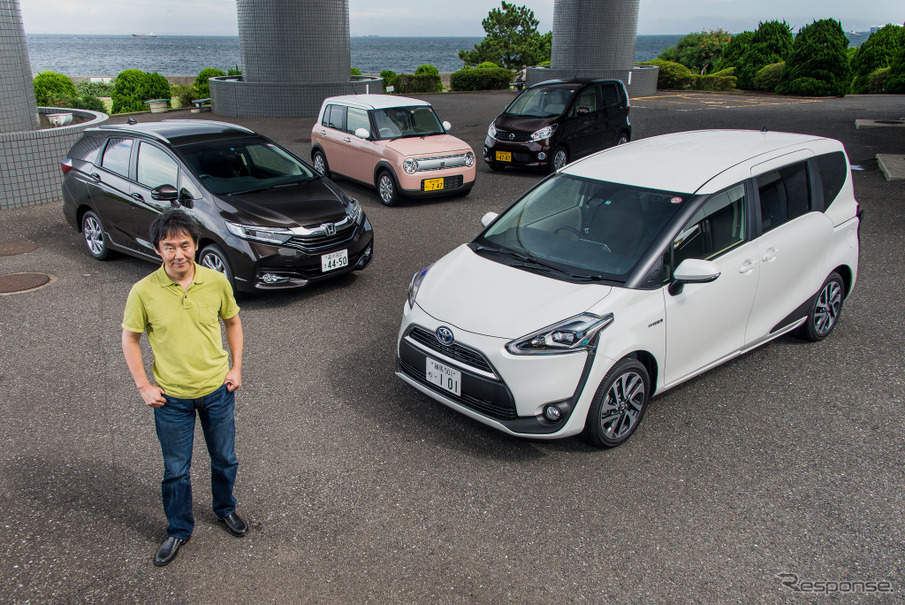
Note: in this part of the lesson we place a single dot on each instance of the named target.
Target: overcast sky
(441, 17)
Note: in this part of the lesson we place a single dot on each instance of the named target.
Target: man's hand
(233, 379)
(152, 395)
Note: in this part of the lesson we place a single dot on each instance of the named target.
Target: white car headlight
(491, 131)
(270, 235)
(570, 335)
(544, 133)
(415, 285)
(469, 159)
(410, 165)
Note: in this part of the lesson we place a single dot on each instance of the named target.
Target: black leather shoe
(168, 550)
(235, 525)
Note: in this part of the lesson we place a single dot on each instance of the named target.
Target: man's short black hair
(171, 222)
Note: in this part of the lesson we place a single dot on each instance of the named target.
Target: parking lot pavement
(358, 489)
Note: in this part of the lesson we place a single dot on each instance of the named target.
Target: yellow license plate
(503, 156)
(433, 184)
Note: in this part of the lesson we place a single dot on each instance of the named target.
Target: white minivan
(629, 272)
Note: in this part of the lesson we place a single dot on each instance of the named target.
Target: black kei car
(554, 122)
(268, 220)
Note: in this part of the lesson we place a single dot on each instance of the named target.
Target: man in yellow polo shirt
(180, 306)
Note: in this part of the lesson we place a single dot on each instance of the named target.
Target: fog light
(270, 278)
(542, 156)
(552, 413)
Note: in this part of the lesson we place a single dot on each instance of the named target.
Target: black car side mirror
(164, 193)
(186, 199)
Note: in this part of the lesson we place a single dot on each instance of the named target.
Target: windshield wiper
(529, 262)
(270, 187)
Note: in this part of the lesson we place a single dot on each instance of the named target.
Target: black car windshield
(582, 229)
(398, 122)
(543, 102)
(240, 166)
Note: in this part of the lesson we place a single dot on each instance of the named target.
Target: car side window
(833, 172)
(357, 118)
(116, 156)
(610, 95)
(155, 167)
(335, 117)
(718, 226)
(785, 194)
(586, 102)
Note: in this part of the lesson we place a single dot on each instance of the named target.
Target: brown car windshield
(545, 102)
(399, 122)
(229, 167)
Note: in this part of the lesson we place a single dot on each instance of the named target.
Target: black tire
(618, 405)
(319, 160)
(825, 310)
(386, 188)
(213, 257)
(558, 159)
(95, 237)
(622, 139)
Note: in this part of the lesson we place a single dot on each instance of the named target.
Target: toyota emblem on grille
(329, 228)
(444, 335)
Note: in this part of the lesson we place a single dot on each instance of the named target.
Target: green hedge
(49, 84)
(201, 85)
(480, 78)
(768, 77)
(95, 89)
(417, 83)
(134, 87)
(672, 75)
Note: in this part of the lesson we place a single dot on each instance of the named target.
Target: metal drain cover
(14, 248)
(21, 282)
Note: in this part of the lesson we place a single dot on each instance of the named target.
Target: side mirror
(693, 271)
(186, 199)
(164, 193)
(362, 133)
(488, 218)
(581, 111)
(446, 125)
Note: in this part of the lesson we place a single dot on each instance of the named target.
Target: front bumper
(453, 182)
(507, 392)
(528, 154)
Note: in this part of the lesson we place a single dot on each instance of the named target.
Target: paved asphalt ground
(358, 489)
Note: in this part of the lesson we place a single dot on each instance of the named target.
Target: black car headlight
(415, 285)
(574, 334)
(269, 235)
(353, 210)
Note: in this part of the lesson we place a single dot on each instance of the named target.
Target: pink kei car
(396, 144)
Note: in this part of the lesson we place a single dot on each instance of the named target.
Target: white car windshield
(580, 228)
(398, 122)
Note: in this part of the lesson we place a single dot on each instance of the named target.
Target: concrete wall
(590, 34)
(17, 93)
(232, 96)
(30, 172)
(640, 81)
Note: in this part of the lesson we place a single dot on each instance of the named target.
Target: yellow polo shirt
(183, 327)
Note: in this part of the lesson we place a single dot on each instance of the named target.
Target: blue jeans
(175, 422)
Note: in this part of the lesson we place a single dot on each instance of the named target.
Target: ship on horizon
(144, 35)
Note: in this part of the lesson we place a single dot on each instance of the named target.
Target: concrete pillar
(17, 94)
(590, 34)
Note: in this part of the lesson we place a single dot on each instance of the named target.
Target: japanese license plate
(444, 376)
(334, 260)
(433, 184)
(503, 156)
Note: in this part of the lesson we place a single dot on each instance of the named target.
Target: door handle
(95, 177)
(138, 197)
(323, 132)
(770, 255)
(747, 266)
(347, 140)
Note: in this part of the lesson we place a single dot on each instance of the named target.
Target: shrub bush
(186, 93)
(771, 43)
(733, 51)
(96, 89)
(818, 65)
(876, 52)
(768, 77)
(134, 87)
(895, 82)
(480, 78)
(877, 81)
(235, 71)
(699, 52)
(86, 102)
(355, 71)
(430, 70)
(49, 83)
(488, 65)
(713, 82)
(415, 83)
(672, 75)
(389, 78)
(201, 84)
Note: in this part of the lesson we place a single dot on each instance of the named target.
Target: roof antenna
(763, 129)
(131, 121)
